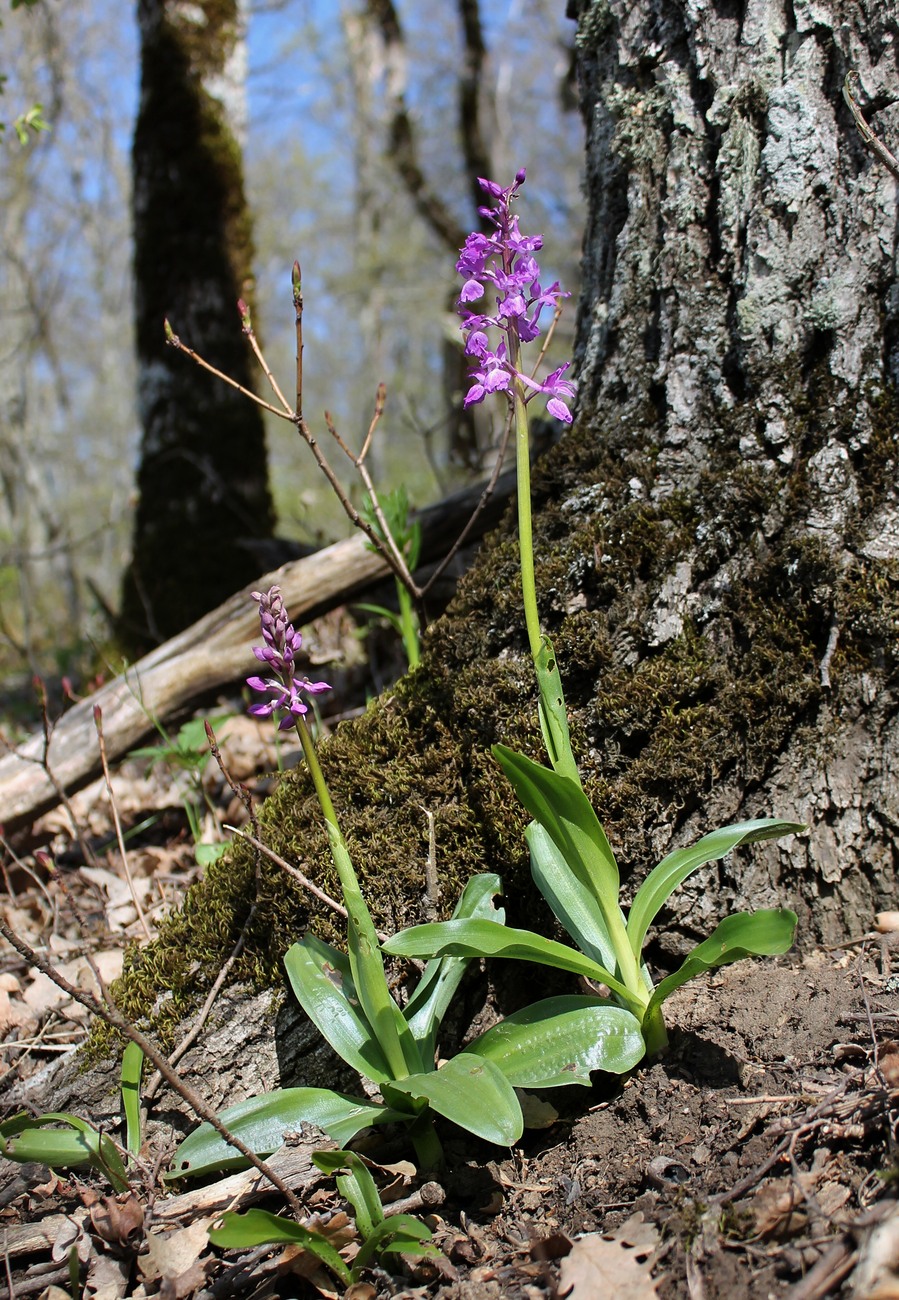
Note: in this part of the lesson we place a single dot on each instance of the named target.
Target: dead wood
(211, 653)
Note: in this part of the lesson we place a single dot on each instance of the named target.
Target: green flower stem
(409, 626)
(525, 528)
(655, 1035)
(366, 962)
(428, 1149)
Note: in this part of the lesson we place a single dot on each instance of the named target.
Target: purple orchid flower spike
(506, 261)
(282, 644)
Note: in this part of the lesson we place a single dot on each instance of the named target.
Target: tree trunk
(717, 538)
(203, 477)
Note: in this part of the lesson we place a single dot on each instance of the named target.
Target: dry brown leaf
(611, 1266)
(107, 1277)
(537, 1112)
(888, 1063)
(118, 1219)
(778, 1211)
(14, 1014)
(176, 1258)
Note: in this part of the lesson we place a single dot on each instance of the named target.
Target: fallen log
(211, 653)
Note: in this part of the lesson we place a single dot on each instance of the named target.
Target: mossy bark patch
(202, 481)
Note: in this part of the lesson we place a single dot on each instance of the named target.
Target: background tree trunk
(203, 474)
(717, 538)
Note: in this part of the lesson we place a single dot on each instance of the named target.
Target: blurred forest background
(329, 91)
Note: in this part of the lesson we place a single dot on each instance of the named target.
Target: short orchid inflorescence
(506, 260)
(282, 644)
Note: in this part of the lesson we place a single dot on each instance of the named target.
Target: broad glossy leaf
(674, 869)
(745, 934)
(560, 806)
(441, 976)
(259, 1228)
(478, 938)
(560, 1040)
(321, 978)
(553, 714)
(573, 905)
(263, 1122)
(472, 1092)
(132, 1068)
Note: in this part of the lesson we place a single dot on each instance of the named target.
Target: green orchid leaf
(553, 714)
(401, 1234)
(26, 1138)
(560, 806)
(260, 1228)
(263, 1122)
(355, 1183)
(560, 1040)
(132, 1068)
(764, 933)
(380, 612)
(472, 1092)
(321, 978)
(441, 976)
(674, 869)
(573, 906)
(478, 938)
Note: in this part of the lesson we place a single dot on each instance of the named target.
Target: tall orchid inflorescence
(506, 260)
(282, 644)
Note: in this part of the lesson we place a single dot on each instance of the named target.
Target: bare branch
(876, 146)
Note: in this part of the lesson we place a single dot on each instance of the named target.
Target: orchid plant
(556, 1041)
(571, 860)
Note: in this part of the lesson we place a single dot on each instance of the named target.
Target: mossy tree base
(717, 554)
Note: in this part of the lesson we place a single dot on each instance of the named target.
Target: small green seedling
(406, 536)
(188, 753)
(64, 1141)
(380, 1235)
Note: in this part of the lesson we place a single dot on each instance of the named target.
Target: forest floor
(758, 1159)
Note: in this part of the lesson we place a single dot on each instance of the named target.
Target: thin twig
(297, 281)
(297, 875)
(380, 402)
(44, 763)
(876, 146)
(387, 544)
(193, 1034)
(113, 1017)
(266, 368)
(174, 341)
(116, 821)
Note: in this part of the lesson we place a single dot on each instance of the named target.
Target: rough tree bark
(203, 478)
(717, 537)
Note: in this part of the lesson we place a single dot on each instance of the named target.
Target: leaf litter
(758, 1159)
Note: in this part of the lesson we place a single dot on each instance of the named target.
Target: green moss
(657, 726)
